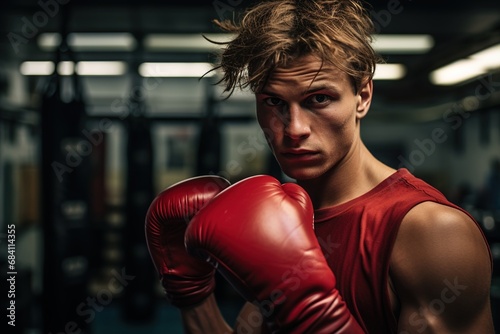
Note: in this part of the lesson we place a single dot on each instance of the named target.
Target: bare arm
(441, 270)
(207, 318)
(204, 317)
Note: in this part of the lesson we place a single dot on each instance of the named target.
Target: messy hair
(274, 33)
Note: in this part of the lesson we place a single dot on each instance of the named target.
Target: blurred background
(102, 107)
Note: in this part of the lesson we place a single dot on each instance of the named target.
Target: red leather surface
(186, 279)
(259, 233)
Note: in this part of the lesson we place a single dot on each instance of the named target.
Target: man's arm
(441, 269)
(206, 317)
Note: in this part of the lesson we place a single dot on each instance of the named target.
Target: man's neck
(355, 175)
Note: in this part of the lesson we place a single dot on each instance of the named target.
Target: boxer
(401, 258)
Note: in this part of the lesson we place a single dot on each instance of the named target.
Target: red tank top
(357, 238)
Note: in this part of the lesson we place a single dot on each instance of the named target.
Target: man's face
(311, 118)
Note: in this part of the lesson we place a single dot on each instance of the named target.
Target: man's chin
(302, 174)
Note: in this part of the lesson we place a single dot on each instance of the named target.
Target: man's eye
(273, 101)
(320, 98)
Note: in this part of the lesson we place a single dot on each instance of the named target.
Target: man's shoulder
(439, 248)
(437, 218)
(438, 237)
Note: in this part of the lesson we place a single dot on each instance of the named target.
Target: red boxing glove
(186, 279)
(259, 234)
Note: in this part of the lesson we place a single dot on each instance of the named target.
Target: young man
(400, 257)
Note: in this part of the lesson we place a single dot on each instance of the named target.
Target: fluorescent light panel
(175, 70)
(468, 68)
(89, 41)
(402, 44)
(489, 58)
(99, 68)
(66, 68)
(184, 42)
(87, 68)
(37, 68)
(408, 44)
(157, 69)
(389, 72)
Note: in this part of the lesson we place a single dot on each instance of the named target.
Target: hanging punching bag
(139, 299)
(65, 198)
(209, 141)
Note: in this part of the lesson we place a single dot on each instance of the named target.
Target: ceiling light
(402, 44)
(489, 58)
(195, 42)
(458, 71)
(389, 72)
(468, 68)
(86, 68)
(36, 68)
(66, 68)
(49, 41)
(101, 68)
(175, 69)
(184, 42)
(46, 68)
(89, 41)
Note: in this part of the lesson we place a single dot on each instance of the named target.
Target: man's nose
(296, 122)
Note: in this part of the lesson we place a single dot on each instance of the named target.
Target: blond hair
(273, 33)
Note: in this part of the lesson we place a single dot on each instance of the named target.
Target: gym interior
(103, 104)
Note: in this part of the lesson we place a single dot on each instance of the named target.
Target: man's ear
(364, 96)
